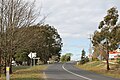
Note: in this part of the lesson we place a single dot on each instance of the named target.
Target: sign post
(32, 55)
(31, 59)
(7, 73)
(34, 61)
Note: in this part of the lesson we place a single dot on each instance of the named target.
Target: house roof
(117, 51)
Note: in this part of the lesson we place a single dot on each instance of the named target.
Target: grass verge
(100, 67)
(27, 73)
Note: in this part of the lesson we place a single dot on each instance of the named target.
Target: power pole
(90, 47)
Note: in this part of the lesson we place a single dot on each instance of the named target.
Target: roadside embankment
(100, 67)
(27, 73)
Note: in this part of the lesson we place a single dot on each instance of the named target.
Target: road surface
(67, 71)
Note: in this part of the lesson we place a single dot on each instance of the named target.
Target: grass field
(100, 67)
(27, 73)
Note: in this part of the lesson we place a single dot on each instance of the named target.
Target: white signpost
(7, 73)
(31, 56)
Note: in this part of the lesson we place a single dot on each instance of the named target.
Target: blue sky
(75, 20)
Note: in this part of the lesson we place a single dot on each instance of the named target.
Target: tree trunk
(0, 62)
(10, 68)
(5, 67)
(107, 60)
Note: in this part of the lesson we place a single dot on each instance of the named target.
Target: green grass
(20, 67)
(27, 73)
(100, 67)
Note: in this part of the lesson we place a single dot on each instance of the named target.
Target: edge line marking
(75, 73)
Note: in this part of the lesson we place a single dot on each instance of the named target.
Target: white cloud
(75, 19)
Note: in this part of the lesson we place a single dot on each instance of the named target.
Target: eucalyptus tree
(107, 37)
(42, 39)
(51, 42)
(99, 47)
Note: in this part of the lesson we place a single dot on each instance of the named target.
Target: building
(114, 54)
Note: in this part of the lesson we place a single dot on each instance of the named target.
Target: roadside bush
(118, 59)
(84, 60)
(95, 59)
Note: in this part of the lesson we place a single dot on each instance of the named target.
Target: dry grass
(29, 73)
(100, 67)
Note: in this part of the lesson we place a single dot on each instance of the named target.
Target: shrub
(118, 59)
(84, 60)
(95, 59)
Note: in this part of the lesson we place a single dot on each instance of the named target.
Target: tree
(66, 57)
(82, 61)
(84, 58)
(14, 14)
(107, 38)
(18, 31)
(83, 54)
(21, 57)
(69, 54)
(63, 58)
(42, 39)
(99, 48)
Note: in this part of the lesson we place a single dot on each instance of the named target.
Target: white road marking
(75, 73)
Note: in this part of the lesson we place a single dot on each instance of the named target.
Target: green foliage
(95, 59)
(63, 58)
(69, 54)
(66, 57)
(83, 54)
(42, 39)
(21, 57)
(106, 37)
(118, 59)
(110, 31)
(19, 32)
(82, 61)
(84, 58)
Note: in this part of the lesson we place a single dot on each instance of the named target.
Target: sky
(75, 20)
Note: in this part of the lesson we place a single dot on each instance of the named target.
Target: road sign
(32, 55)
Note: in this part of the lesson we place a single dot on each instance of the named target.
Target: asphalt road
(67, 71)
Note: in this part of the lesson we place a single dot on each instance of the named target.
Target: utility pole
(90, 47)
